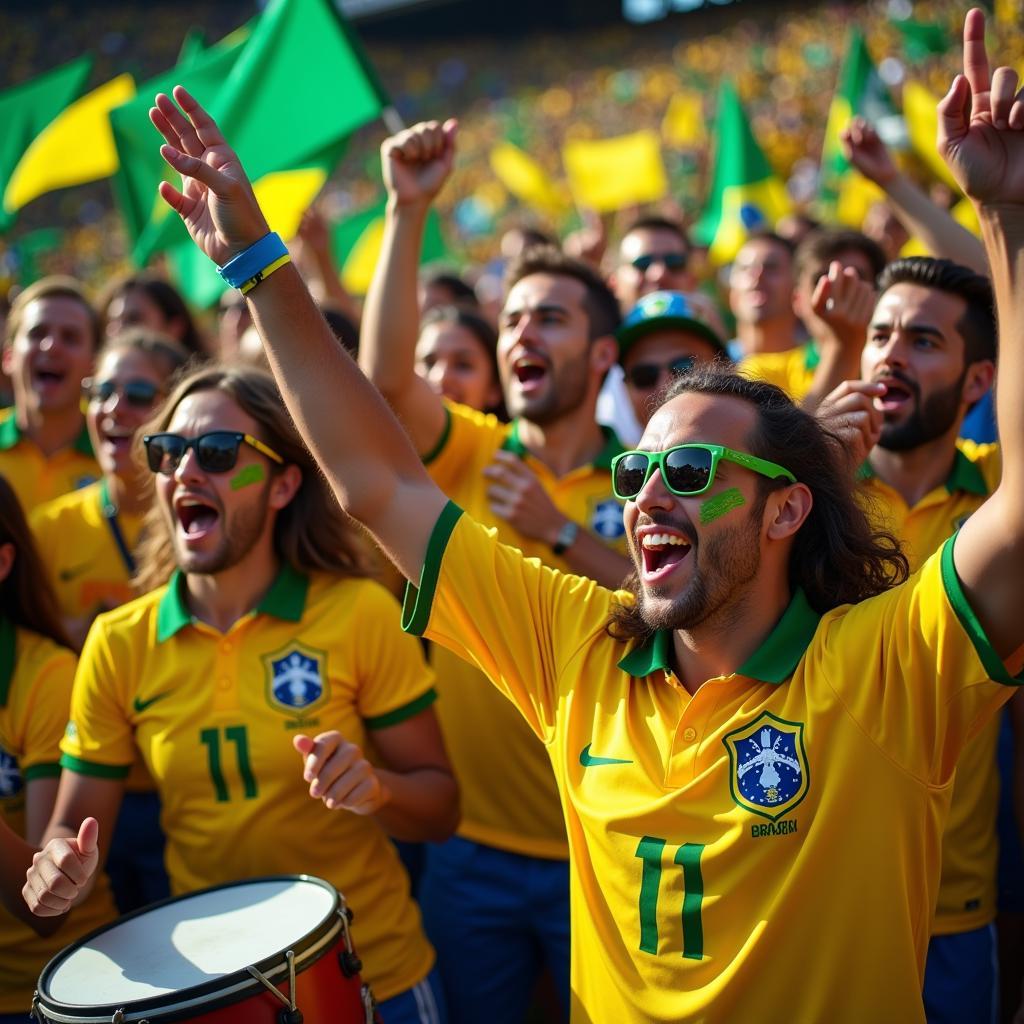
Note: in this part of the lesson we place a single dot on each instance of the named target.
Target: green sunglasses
(687, 469)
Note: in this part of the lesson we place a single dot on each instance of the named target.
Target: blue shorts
(496, 920)
(961, 978)
(421, 1004)
(1011, 854)
(135, 862)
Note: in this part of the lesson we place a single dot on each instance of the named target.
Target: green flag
(27, 109)
(745, 192)
(356, 243)
(922, 39)
(298, 90)
(141, 168)
(862, 92)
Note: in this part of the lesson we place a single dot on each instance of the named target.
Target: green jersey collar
(773, 662)
(812, 356)
(10, 435)
(286, 599)
(8, 641)
(965, 476)
(603, 459)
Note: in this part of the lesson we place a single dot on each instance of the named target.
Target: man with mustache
(755, 752)
(932, 344)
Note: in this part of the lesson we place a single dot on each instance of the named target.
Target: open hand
(339, 775)
(981, 125)
(867, 152)
(416, 162)
(61, 871)
(216, 200)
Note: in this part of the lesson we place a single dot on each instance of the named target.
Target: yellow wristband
(263, 274)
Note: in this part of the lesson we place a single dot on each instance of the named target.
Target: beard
(931, 418)
(566, 391)
(724, 564)
(238, 537)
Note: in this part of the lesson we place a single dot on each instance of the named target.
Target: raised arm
(940, 234)
(415, 164)
(372, 468)
(981, 137)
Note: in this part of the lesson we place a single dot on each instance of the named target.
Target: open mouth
(529, 371)
(47, 378)
(897, 395)
(196, 518)
(117, 439)
(661, 553)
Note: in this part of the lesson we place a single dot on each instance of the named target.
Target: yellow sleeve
(467, 445)
(787, 370)
(99, 739)
(921, 677)
(514, 618)
(43, 713)
(395, 681)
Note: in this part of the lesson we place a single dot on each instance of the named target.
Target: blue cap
(659, 310)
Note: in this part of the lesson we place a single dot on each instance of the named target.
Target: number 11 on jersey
(651, 851)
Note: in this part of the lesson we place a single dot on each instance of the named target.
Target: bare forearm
(941, 235)
(15, 858)
(837, 363)
(423, 805)
(387, 350)
(592, 558)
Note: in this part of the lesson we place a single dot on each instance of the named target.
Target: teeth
(658, 540)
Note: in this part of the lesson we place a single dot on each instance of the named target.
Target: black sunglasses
(140, 393)
(672, 261)
(645, 376)
(216, 452)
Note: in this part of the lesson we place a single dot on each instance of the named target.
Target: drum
(263, 951)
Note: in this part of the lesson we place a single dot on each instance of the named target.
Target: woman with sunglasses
(88, 539)
(37, 667)
(264, 654)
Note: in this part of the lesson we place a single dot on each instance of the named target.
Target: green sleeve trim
(442, 440)
(98, 771)
(419, 600)
(41, 771)
(990, 660)
(414, 707)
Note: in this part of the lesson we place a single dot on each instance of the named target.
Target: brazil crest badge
(768, 766)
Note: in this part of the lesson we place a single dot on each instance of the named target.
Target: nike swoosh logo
(589, 760)
(67, 575)
(141, 705)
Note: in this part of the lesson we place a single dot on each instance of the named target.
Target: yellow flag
(1007, 12)
(856, 196)
(357, 273)
(284, 196)
(966, 216)
(922, 118)
(610, 174)
(75, 147)
(526, 179)
(683, 125)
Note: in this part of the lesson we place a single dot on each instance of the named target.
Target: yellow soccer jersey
(35, 693)
(767, 847)
(37, 478)
(792, 370)
(214, 715)
(509, 799)
(80, 550)
(970, 845)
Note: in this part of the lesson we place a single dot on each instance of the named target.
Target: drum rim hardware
(223, 991)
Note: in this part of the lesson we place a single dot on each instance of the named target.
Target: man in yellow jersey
(833, 297)
(496, 898)
(932, 346)
(755, 751)
(264, 629)
(50, 343)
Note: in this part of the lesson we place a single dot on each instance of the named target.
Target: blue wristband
(246, 265)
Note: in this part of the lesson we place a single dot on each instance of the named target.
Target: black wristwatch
(566, 538)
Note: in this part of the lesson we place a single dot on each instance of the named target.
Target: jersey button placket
(682, 765)
(225, 673)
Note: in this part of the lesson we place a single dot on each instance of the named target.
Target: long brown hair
(311, 533)
(838, 557)
(26, 595)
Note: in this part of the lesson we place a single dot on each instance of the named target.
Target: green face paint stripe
(716, 507)
(252, 474)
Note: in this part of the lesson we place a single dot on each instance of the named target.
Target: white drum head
(191, 941)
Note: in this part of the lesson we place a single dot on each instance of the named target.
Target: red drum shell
(325, 995)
